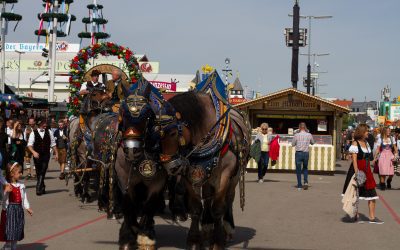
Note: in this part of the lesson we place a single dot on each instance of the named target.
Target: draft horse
(141, 178)
(208, 153)
(86, 177)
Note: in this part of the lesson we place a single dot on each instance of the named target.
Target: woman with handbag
(360, 167)
(387, 150)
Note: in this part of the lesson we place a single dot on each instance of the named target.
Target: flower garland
(78, 68)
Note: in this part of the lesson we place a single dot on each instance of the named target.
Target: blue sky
(362, 38)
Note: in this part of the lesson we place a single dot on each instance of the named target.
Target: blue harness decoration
(205, 157)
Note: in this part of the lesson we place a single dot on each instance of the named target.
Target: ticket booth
(284, 110)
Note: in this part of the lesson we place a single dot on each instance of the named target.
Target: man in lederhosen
(41, 140)
(114, 88)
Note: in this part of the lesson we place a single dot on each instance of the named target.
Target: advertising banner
(63, 66)
(234, 101)
(62, 46)
(170, 86)
(395, 112)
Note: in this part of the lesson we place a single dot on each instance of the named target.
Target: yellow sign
(381, 119)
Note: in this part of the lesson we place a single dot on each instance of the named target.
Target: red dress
(13, 228)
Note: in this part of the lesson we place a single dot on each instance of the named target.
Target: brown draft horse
(196, 114)
(140, 176)
(80, 138)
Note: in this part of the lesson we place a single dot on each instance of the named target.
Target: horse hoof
(194, 246)
(144, 242)
(127, 246)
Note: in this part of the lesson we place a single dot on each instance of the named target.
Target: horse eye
(173, 133)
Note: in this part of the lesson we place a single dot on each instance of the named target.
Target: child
(14, 202)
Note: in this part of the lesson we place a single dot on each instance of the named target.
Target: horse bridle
(173, 164)
(131, 137)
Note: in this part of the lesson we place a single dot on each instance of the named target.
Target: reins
(208, 136)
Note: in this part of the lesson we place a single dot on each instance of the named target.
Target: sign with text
(395, 112)
(170, 86)
(322, 125)
(236, 100)
(63, 66)
(293, 104)
(63, 47)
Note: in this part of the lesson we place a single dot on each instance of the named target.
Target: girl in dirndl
(361, 155)
(14, 202)
(387, 150)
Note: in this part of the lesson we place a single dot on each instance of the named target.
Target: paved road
(276, 216)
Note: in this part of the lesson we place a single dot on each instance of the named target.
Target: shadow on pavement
(56, 191)
(167, 236)
(32, 246)
(341, 172)
(348, 219)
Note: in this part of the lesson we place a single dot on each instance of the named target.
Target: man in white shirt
(9, 132)
(28, 154)
(39, 143)
(94, 83)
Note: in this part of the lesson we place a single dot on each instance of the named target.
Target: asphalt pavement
(276, 216)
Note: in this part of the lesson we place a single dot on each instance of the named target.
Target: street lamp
(309, 46)
(310, 82)
(227, 70)
(19, 68)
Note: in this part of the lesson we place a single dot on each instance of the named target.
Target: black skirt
(14, 223)
(364, 194)
(367, 194)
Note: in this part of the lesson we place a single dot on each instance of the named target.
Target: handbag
(361, 178)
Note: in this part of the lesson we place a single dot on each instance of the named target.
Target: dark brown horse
(141, 178)
(216, 163)
(81, 144)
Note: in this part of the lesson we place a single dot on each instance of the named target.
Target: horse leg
(130, 227)
(219, 205)
(207, 220)
(229, 224)
(194, 238)
(146, 237)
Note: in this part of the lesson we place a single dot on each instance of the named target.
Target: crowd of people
(265, 148)
(384, 143)
(28, 142)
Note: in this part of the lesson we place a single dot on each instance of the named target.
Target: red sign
(170, 86)
(236, 100)
(146, 67)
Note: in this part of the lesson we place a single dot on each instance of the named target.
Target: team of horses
(182, 145)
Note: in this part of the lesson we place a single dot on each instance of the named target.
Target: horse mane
(192, 110)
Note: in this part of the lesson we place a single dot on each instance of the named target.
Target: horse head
(98, 99)
(135, 120)
(174, 136)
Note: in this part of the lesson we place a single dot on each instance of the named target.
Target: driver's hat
(95, 73)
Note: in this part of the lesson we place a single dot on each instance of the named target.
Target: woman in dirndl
(12, 216)
(361, 155)
(387, 150)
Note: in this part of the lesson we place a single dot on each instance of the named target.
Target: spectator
(387, 150)
(9, 131)
(264, 138)
(360, 151)
(18, 144)
(60, 136)
(28, 154)
(39, 143)
(14, 202)
(3, 145)
(302, 141)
